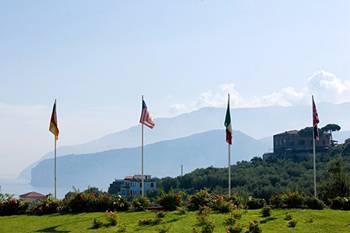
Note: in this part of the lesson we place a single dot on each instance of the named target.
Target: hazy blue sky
(98, 57)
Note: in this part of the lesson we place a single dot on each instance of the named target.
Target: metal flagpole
(142, 176)
(229, 157)
(55, 179)
(229, 170)
(314, 158)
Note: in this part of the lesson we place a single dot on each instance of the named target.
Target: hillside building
(296, 143)
(130, 186)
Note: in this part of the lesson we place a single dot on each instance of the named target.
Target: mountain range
(161, 159)
(260, 123)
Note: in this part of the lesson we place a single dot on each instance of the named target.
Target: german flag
(53, 128)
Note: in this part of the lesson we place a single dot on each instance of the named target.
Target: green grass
(322, 221)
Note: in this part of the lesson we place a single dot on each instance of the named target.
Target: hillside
(262, 178)
(161, 159)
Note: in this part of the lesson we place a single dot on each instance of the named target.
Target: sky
(98, 57)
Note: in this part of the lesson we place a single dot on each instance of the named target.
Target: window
(152, 185)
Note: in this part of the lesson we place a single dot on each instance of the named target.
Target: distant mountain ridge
(161, 159)
(256, 122)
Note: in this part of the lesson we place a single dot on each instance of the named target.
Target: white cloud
(211, 98)
(285, 97)
(327, 87)
(324, 85)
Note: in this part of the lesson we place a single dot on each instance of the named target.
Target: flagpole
(142, 176)
(55, 178)
(229, 170)
(314, 153)
(229, 160)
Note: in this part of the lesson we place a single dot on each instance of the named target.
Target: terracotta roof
(32, 195)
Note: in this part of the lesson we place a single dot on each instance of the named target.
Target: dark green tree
(330, 128)
(338, 180)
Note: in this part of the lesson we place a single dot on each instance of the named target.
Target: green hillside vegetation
(264, 178)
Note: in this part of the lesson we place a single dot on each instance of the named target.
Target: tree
(331, 128)
(338, 182)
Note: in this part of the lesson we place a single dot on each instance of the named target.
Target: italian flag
(228, 123)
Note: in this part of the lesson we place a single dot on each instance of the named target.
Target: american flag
(146, 118)
(315, 120)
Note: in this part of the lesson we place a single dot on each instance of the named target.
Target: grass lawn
(308, 221)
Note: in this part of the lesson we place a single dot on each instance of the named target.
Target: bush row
(93, 200)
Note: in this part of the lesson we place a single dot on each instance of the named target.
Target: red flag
(315, 120)
(146, 118)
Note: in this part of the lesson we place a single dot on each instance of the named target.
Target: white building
(132, 186)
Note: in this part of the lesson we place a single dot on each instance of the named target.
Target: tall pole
(142, 176)
(55, 178)
(314, 160)
(229, 170)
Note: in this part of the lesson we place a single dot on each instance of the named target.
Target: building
(131, 186)
(32, 196)
(299, 143)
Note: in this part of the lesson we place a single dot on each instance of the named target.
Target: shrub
(314, 203)
(181, 210)
(120, 204)
(292, 223)
(254, 227)
(276, 201)
(169, 201)
(140, 203)
(230, 221)
(149, 221)
(164, 229)
(143, 222)
(337, 203)
(96, 224)
(47, 206)
(204, 210)
(237, 214)
(288, 200)
(12, 206)
(237, 228)
(340, 203)
(111, 218)
(208, 227)
(201, 198)
(90, 200)
(218, 203)
(294, 200)
(202, 216)
(121, 229)
(266, 211)
(288, 217)
(160, 214)
(255, 203)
